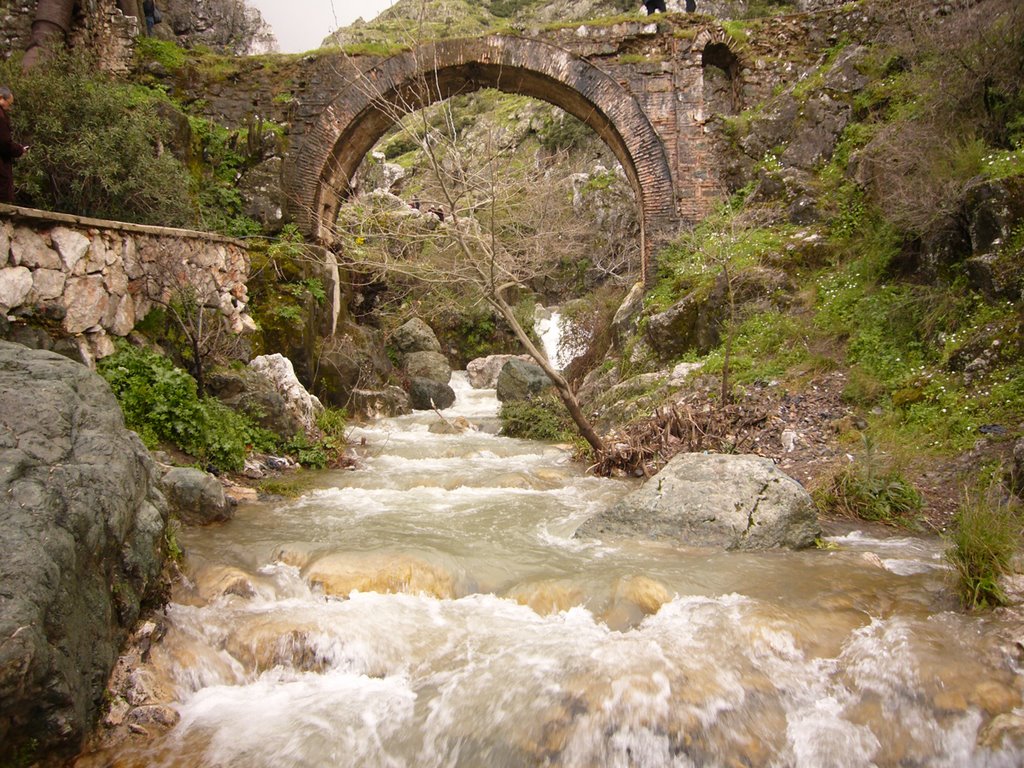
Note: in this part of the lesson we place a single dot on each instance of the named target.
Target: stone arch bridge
(647, 88)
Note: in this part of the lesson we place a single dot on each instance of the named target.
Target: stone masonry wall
(94, 279)
(98, 26)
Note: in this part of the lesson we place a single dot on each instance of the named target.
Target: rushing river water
(433, 609)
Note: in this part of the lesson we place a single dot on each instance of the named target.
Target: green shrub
(540, 418)
(160, 403)
(309, 453)
(170, 56)
(984, 540)
(97, 145)
(332, 422)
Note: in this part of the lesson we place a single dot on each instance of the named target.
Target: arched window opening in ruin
(722, 84)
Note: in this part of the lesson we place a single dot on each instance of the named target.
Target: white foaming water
(433, 610)
(548, 325)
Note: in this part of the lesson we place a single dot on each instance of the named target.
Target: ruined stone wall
(15, 25)
(94, 279)
(98, 26)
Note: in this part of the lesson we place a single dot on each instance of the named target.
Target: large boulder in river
(483, 372)
(195, 497)
(415, 336)
(379, 403)
(714, 500)
(82, 527)
(520, 380)
(278, 369)
(427, 365)
(427, 394)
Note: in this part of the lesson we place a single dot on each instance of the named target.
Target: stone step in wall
(90, 280)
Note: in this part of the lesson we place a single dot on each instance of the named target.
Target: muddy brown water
(433, 610)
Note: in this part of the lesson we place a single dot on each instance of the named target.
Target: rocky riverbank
(82, 526)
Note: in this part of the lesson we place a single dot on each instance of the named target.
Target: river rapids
(432, 609)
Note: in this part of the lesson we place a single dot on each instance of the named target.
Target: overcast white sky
(300, 25)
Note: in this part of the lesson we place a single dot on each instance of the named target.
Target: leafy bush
(97, 145)
(160, 403)
(540, 418)
(332, 423)
(984, 541)
(226, 154)
(309, 453)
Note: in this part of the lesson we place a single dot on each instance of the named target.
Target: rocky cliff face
(82, 534)
(227, 26)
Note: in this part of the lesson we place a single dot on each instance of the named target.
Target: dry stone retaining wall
(96, 278)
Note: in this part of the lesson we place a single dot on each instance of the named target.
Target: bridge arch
(317, 181)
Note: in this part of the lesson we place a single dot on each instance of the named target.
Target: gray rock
(256, 395)
(374, 404)
(15, 285)
(425, 395)
(260, 188)
(31, 336)
(803, 210)
(71, 245)
(483, 372)
(596, 382)
(1017, 469)
(624, 323)
(696, 321)
(520, 380)
(993, 209)
(772, 128)
(996, 276)
(714, 500)
(821, 122)
(427, 365)
(845, 76)
(29, 249)
(415, 336)
(81, 529)
(195, 497)
(682, 327)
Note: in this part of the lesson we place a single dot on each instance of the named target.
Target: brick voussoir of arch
(349, 126)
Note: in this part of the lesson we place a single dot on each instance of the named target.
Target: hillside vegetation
(861, 289)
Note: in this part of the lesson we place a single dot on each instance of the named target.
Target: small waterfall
(549, 325)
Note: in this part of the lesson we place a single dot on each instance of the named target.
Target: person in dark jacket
(149, 10)
(9, 149)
